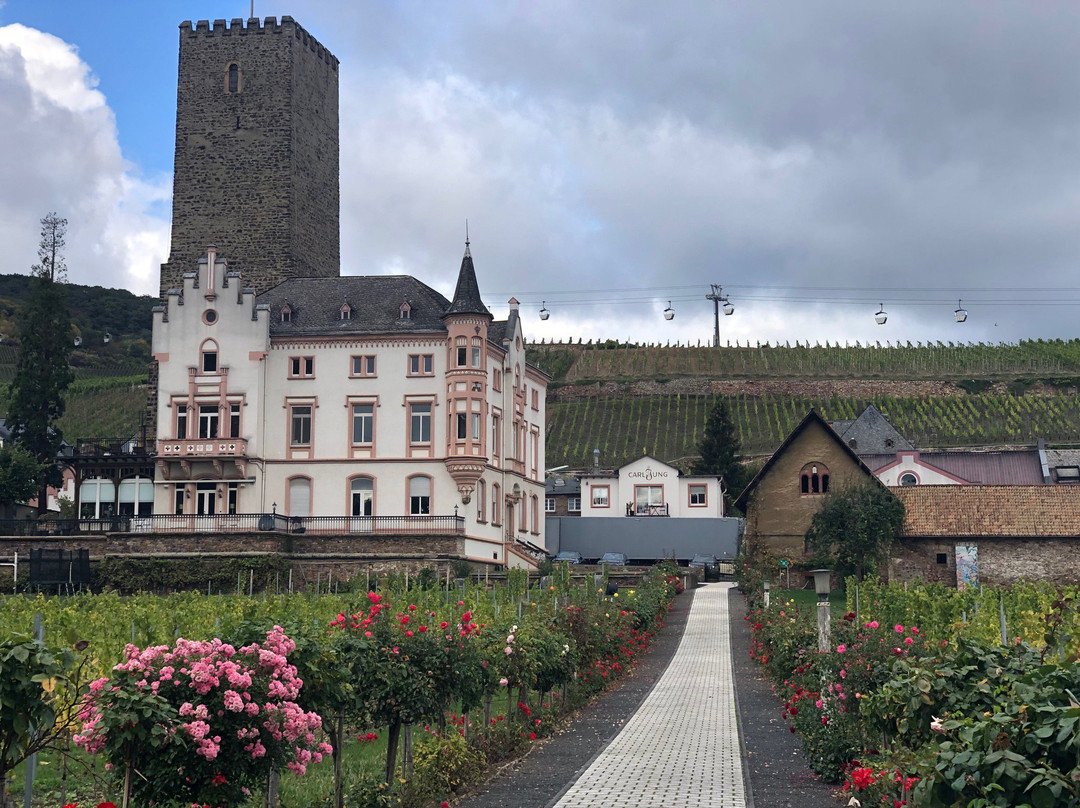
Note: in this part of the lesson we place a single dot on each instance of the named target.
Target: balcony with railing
(202, 448)
(241, 523)
(645, 509)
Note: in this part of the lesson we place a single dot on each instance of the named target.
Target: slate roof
(571, 486)
(467, 294)
(985, 510)
(872, 433)
(1017, 467)
(375, 300)
(1064, 465)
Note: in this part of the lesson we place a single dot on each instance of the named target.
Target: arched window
(481, 500)
(535, 513)
(496, 506)
(299, 496)
(814, 479)
(135, 496)
(208, 357)
(97, 498)
(419, 495)
(232, 78)
(907, 478)
(362, 496)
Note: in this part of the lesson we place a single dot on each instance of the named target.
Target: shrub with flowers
(201, 722)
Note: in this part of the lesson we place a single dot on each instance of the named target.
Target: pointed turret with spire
(467, 294)
(467, 320)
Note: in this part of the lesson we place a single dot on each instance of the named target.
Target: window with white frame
(421, 365)
(363, 365)
(301, 367)
(420, 422)
(135, 496)
(549, 504)
(363, 424)
(647, 497)
(573, 504)
(208, 420)
(362, 496)
(300, 425)
(419, 496)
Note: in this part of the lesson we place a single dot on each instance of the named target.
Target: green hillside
(670, 427)
(95, 313)
(610, 361)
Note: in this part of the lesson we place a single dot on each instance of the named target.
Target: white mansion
(350, 404)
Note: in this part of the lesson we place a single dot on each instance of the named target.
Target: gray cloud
(909, 154)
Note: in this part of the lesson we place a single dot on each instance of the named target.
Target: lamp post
(766, 597)
(821, 586)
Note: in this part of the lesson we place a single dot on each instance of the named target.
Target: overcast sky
(613, 155)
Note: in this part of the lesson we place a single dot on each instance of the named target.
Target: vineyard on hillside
(610, 361)
(670, 427)
(104, 408)
(101, 365)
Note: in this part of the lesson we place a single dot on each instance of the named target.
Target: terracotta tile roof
(991, 510)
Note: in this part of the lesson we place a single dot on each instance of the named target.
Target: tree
(40, 690)
(720, 450)
(42, 372)
(857, 525)
(19, 475)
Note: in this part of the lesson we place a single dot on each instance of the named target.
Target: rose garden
(404, 695)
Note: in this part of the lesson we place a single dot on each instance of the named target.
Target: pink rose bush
(202, 721)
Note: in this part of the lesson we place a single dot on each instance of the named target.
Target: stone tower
(256, 165)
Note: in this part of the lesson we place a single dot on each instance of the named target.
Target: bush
(445, 763)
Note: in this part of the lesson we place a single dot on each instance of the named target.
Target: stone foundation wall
(309, 556)
(1002, 561)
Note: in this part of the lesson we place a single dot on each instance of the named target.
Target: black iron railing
(239, 523)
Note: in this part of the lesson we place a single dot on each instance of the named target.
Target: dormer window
(405, 312)
(286, 314)
(345, 312)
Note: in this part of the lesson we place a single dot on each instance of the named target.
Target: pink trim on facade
(288, 492)
(363, 450)
(374, 492)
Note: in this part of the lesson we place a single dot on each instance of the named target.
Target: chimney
(596, 461)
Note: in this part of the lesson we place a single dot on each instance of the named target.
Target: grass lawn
(807, 598)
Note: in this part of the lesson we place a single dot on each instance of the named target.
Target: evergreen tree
(42, 373)
(719, 450)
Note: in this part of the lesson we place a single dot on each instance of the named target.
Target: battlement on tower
(253, 25)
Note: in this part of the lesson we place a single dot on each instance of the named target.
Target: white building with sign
(355, 404)
(647, 487)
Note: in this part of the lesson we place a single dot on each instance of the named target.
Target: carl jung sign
(647, 474)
